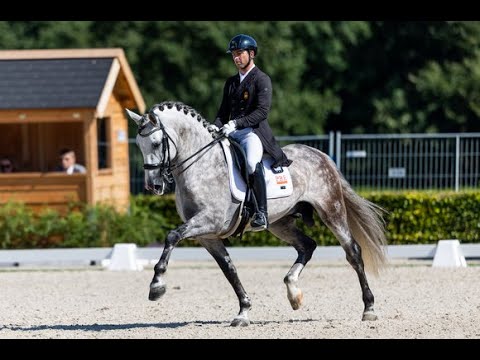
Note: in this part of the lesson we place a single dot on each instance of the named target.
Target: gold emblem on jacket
(245, 95)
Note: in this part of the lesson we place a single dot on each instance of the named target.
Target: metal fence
(384, 161)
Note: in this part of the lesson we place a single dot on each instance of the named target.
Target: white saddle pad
(278, 185)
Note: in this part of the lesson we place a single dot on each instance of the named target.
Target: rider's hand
(229, 127)
(213, 128)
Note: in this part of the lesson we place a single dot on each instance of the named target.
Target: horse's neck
(189, 140)
(206, 170)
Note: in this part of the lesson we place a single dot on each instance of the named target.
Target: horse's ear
(135, 117)
(152, 119)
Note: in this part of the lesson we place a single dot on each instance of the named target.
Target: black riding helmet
(242, 42)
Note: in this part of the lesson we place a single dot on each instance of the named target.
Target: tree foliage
(352, 76)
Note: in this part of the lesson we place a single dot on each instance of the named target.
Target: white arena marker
(449, 254)
(124, 257)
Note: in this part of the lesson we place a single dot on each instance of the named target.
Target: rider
(247, 97)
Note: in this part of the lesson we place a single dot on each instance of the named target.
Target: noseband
(166, 167)
(165, 164)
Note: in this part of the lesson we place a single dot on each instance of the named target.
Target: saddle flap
(279, 184)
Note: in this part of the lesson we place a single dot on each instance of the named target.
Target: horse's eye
(156, 145)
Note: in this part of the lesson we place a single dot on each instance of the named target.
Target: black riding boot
(260, 218)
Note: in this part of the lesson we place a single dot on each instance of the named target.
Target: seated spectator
(6, 165)
(69, 163)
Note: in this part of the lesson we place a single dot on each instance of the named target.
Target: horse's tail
(366, 223)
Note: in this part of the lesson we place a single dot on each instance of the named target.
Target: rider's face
(240, 57)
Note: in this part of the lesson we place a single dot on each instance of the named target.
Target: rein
(165, 165)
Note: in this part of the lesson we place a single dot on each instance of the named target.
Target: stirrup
(259, 222)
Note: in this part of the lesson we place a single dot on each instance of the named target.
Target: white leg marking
(294, 294)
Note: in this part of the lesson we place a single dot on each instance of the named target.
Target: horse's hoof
(296, 299)
(369, 316)
(156, 292)
(240, 322)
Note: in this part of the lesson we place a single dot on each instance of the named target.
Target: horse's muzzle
(156, 189)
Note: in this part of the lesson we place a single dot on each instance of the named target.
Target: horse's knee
(174, 236)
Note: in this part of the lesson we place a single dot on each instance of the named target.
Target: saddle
(278, 182)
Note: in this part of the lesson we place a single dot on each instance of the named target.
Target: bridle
(166, 167)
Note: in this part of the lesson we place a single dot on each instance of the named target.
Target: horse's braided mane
(182, 107)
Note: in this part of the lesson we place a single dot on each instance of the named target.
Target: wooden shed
(66, 98)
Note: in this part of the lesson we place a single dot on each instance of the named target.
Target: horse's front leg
(217, 249)
(158, 286)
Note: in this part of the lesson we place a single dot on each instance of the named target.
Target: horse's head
(164, 130)
(158, 149)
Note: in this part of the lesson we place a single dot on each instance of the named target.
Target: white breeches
(252, 146)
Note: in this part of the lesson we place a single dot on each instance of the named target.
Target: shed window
(104, 143)
(35, 147)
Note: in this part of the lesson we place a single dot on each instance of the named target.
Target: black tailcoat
(248, 103)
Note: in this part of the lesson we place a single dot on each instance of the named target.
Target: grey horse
(176, 145)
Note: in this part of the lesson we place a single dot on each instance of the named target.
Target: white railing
(97, 256)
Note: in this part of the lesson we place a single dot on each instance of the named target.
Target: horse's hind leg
(335, 217)
(286, 230)
(217, 249)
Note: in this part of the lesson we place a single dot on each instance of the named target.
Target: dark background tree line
(352, 76)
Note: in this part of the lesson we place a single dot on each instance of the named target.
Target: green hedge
(417, 217)
(412, 218)
(85, 226)
(426, 217)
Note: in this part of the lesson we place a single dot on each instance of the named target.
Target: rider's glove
(229, 127)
